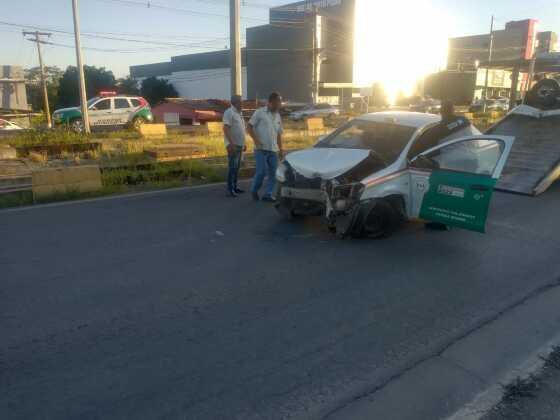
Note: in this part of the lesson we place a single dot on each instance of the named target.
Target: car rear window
(386, 139)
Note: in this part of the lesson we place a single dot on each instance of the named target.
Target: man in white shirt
(234, 139)
(265, 127)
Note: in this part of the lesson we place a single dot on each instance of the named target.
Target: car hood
(72, 108)
(325, 163)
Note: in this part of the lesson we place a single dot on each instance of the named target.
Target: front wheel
(285, 207)
(378, 220)
(77, 125)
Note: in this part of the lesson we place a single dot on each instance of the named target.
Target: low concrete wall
(7, 152)
(51, 181)
(153, 130)
(215, 128)
(315, 124)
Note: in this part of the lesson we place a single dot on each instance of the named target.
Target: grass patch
(47, 137)
(521, 388)
(16, 199)
(163, 172)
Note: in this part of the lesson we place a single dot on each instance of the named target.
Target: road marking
(112, 197)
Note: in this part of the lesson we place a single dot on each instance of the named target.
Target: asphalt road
(188, 305)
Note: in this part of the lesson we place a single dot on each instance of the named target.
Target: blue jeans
(266, 163)
(234, 163)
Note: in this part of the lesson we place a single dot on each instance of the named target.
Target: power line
(150, 5)
(113, 38)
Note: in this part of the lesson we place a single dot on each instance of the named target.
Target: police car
(107, 110)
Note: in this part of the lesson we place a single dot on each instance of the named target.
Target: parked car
(318, 110)
(107, 110)
(500, 104)
(8, 126)
(381, 168)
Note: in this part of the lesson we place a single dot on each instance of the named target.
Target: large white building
(195, 76)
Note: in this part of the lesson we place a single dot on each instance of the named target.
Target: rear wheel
(138, 122)
(544, 94)
(285, 207)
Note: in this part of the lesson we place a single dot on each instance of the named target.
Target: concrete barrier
(51, 181)
(171, 152)
(215, 128)
(153, 130)
(7, 152)
(315, 124)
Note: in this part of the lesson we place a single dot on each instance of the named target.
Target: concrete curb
(113, 197)
(490, 397)
(463, 381)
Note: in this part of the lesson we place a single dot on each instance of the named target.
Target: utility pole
(83, 96)
(532, 64)
(37, 39)
(316, 63)
(490, 48)
(235, 47)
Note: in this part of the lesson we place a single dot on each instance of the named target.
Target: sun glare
(397, 43)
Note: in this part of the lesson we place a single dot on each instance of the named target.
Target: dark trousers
(234, 163)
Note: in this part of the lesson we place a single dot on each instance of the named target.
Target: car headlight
(281, 173)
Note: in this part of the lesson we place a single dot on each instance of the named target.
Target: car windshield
(386, 139)
(92, 101)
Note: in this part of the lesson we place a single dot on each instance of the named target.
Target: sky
(175, 27)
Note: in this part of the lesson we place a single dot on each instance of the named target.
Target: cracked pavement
(186, 304)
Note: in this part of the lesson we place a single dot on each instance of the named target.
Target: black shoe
(255, 196)
(268, 199)
(231, 194)
(238, 191)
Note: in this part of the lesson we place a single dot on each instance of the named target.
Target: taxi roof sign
(107, 93)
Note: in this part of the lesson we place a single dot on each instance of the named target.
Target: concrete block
(314, 124)
(169, 152)
(215, 128)
(153, 130)
(77, 174)
(62, 180)
(7, 152)
(48, 176)
(46, 190)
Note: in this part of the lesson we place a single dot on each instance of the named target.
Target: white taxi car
(381, 168)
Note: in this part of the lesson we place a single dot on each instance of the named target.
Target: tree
(97, 79)
(128, 86)
(35, 89)
(154, 90)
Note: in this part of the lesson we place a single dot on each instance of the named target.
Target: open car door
(453, 183)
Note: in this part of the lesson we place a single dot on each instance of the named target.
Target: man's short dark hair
(274, 96)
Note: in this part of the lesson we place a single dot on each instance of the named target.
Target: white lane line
(111, 197)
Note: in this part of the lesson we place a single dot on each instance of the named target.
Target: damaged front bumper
(344, 206)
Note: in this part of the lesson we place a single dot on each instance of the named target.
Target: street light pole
(37, 39)
(83, 95)
(490, 47)
(235, 48)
